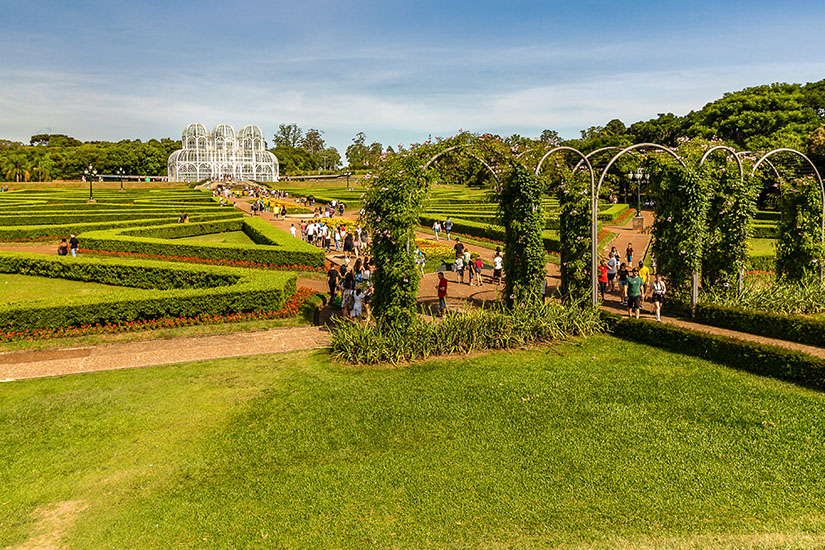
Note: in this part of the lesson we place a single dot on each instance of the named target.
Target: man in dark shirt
(73, 244)
(333, 277)
(459, 248)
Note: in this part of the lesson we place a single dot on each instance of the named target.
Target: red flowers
(234, 263)
(290, 308)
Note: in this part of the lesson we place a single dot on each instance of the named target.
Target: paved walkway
(19, 365)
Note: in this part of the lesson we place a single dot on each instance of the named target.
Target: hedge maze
(129, 240)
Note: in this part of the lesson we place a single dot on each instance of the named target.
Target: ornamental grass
(462, 332)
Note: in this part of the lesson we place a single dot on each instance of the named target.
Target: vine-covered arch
(594, 207)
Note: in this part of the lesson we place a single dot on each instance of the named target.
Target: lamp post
(348, 175)
(639, 176)
(120, 173)
(90, 173)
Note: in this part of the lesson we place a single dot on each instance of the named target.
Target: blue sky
(398, 71)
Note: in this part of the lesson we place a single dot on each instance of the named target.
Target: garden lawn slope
(603, 444)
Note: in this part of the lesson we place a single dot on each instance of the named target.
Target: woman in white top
(659, 291)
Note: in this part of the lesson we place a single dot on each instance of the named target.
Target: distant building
(222, 155)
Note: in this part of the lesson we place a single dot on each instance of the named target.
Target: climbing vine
(682, 200)
(799, 250)
(523, 220)
(575, 237)
(392, 204)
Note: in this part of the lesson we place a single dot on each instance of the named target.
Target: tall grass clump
(496, 327)
(803, 297)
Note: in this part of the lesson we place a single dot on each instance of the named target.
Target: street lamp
(120, 173)
(90, 173)
(639, 176)
(348, 175)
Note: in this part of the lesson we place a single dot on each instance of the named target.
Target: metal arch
(818, 178)
(694, 295)
(599, 150)
(768, 162)
(630, 148)
(453, 148)
(594, 206)
(730, 150)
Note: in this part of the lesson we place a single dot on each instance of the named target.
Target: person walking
(73, 244)
(622, 275)
(292, 230)
(458, 247)
(441, 288)
(478, 265)
(448, 226)
(498, 262)
(659, 290)
(332, 280)
(459, 269)
(644, 273)
(634, 293)
(436, 229)
(612, 267)
(602, 278)
(629, 254)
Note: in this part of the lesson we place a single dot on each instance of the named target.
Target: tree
(550, 136)
(329, 159)
(357, 153)
(16, 168)
(289, 135)
(312, 142)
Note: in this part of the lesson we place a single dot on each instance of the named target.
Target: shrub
(761, 359)
(462, 332)
(181, 291)
(274, 247)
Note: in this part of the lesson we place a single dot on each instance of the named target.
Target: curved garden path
(17, 365)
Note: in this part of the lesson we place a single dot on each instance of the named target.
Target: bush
(761, 359)
(461, 332)
(182, 291)
(274, 247)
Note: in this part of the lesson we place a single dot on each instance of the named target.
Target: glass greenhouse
(222, 154)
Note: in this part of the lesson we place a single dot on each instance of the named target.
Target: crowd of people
(324, 235)
(636, 284)
(354, 285)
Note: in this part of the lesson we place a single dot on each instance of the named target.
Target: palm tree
(16, 167)
(43, 166)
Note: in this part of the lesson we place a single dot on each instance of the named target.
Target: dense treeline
(757, 119)
(57, 156)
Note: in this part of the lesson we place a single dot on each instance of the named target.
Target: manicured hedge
(793, 328)
(33, 232)
(274, 248)
(761, 359)
(182, 290)
(761, 262)
(488, 231)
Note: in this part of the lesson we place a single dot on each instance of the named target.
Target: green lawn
(606, 444)
(229, 237)
(762, 247)
(20, 288)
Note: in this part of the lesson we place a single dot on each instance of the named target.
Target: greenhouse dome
(222, 155)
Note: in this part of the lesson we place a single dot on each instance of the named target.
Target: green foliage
(679, 231)
(360, 155)
(462, 332)
(761, 359)
(182, 291)
(730, 215)
(274, 247)
(576, 238)
(788, 297)
(764, 322)
(392, 204)
(799, 249)
(523, 221)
